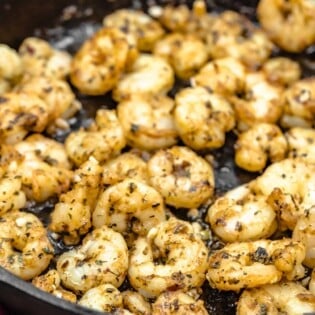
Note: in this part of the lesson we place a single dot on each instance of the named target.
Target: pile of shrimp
(118, 183)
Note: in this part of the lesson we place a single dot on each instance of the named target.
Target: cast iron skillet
(66, 24)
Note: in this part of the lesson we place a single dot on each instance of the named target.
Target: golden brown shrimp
(253, 264)
(289, 23)
(202, 118)
(183, 178)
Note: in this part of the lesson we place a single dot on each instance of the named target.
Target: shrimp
(185, 53)
(50, 282)
(224, 76)
(233, 35)
(288, 23)
(299, 104)
(39, 58)
(101, 60)
(183, 178)
(149, 75)
(101, 259)
(136, 303)
(130, 204)
(134, 23)
(72, 214)
(259, 103)
(103, 140)
(172, 256)
(148, 122)
(240, 215)
(202, 118)
(177, 302)
(282, 70)
(253, 264)
(257, 145)
(25, 249)
(289, 298)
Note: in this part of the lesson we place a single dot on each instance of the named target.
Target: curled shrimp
(72, 214)
(103, 139)
(25, 249)
(172, 256)
(137, 24)
(240, 215)
(257, 145)
(102, 258)
(290, 24)
(183, 178)
(101, 60)
(149, 75)
(185, 53)
(129, 204)
(253, 264)
(148, 122)
(286, 297)
(177, 302)
(202, 118)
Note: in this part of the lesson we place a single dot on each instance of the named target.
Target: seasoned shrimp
(202, 118)
(101, 60)
(101, 259)
(253, 264)
(289, 298)
(257, 145)
(172, 256)
(177, 302)
(149, 75)
(103, 140)
(130, 204)
(299, 104)
(25, 249)
(289, 23)
(185, 53)
(233, 35)
(260, 102)
(50, 282)
(136, 303)
(148, 122)
(184, 179)
(240, 215)
(224, 76)
(72, 214)
(137, 24)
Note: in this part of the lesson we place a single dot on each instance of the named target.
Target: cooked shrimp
(103, 140)
(130, 204)
(282, 70)
(101, 60)
(289, 23)
(240, 215)
(72, 214)
(39, 58)
(253, 264)
(185, 53)
(299, 104)
(202, 118)
(171, 257)
(25, 249)
(223, 76)
(50, 282)
(136, 303)
(184, 179)
(260, 102)
(289, 298)
(233, 35)
(148, 122)
(101, 259)
(137, 24)
(257, 145)
(149, 75)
